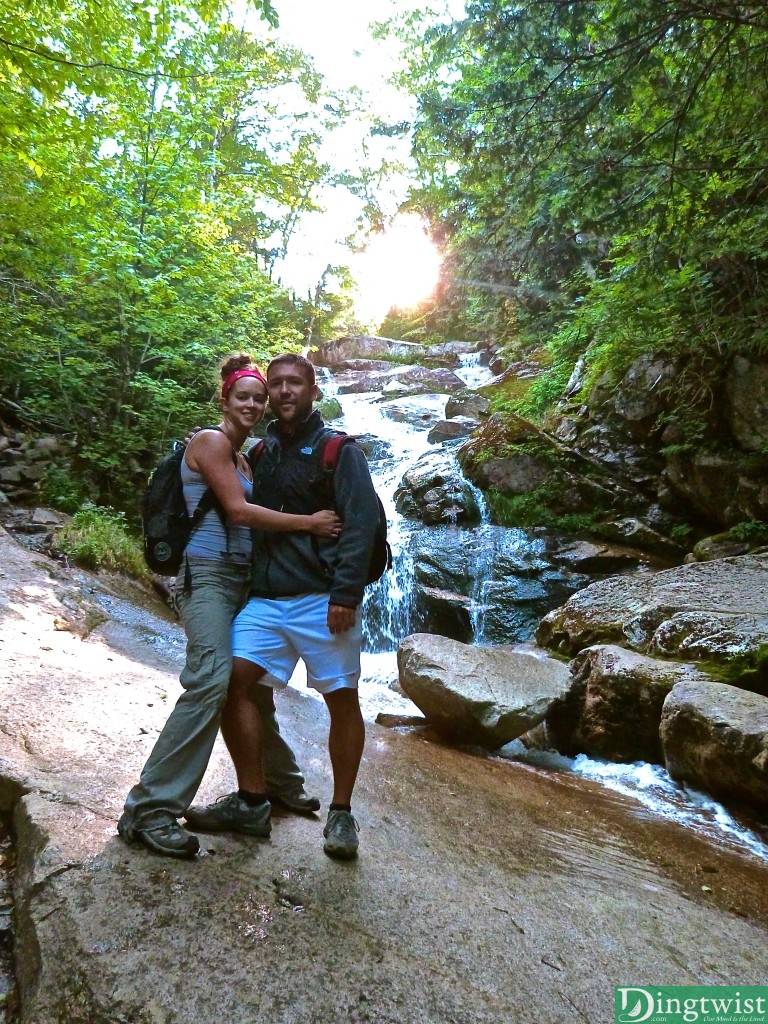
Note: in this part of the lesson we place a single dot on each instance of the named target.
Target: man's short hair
(294, 359)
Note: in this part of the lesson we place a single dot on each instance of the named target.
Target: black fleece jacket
(287, 477)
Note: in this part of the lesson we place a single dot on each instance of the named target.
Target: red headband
(226, 387)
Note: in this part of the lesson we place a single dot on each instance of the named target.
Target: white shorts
(276, 633)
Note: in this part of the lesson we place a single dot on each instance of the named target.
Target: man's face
(290, 394)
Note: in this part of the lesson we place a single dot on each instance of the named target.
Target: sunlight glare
(399, 268)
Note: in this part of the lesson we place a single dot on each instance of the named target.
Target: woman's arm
(211, 455)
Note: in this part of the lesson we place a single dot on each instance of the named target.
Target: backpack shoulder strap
(209, 500)
(330, 449)
(256, 451)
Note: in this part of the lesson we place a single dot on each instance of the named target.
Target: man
(304, 604)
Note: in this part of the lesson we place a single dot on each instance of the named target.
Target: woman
(212, 586)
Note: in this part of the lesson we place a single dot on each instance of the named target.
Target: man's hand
(340, 619)
(191, 434)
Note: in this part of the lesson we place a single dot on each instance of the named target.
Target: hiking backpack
(166, 526)
(328, 449)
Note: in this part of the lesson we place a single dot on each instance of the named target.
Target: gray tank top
(209, 539)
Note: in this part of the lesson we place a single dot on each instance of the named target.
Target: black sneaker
(341, 835)
(169, 839)
(231, 814)
(297, 800)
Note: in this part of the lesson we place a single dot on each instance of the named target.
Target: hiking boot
(231, 814)
(297, 800)
(341, 835)
(169, 839)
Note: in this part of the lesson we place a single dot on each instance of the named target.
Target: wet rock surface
(485, 695)
(716, 736)
(700, 611)
(485, 890)
(613, 709)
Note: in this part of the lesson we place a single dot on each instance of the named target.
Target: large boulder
(364, 346)
(613, 708)
(467, 404)
(642, 394)
(706, 481)
(451, 430)
(747, 390)
(435, 491)
(421, 411)
(401, 380)
(482, 695)
(710, 611)
(715, 736)
(515, 474)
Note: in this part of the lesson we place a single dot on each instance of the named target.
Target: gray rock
(34, 471)
(715, 736)
(411, 410)
(435, 488)
(613, 709)
(640, 397)
(704, 610)
(49, 517)
(364, 346)
(747, 390)
(467, 404)
(633, 531)
(719, 546)
(589, 556)
(401, 379)
(478, 694)
(706, 481)
(449, 430)
(518, 474)
(365, 365)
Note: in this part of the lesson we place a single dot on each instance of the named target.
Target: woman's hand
(325, 524)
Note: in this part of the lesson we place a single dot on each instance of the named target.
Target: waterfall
(387, 603)
(387, 606)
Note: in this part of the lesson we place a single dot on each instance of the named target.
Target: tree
(141, 188)
(596, 174)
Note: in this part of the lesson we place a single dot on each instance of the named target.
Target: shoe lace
(343, 823)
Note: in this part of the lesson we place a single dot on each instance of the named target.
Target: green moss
(522, 510)
(749, 671)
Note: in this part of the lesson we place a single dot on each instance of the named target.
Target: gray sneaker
(170, 839)
(341, 835)
(231, 814)
(297, 800)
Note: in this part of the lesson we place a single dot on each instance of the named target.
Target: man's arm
(358, 506)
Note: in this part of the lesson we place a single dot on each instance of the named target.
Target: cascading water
(387, 604)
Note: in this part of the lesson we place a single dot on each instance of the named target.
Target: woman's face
(246, 402)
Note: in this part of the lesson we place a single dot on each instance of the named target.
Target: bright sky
(400, 267)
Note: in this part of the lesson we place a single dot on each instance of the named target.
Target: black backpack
(327, 451)
(166, 525)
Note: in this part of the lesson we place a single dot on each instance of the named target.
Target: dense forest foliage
(154, 160)
(597, 173)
